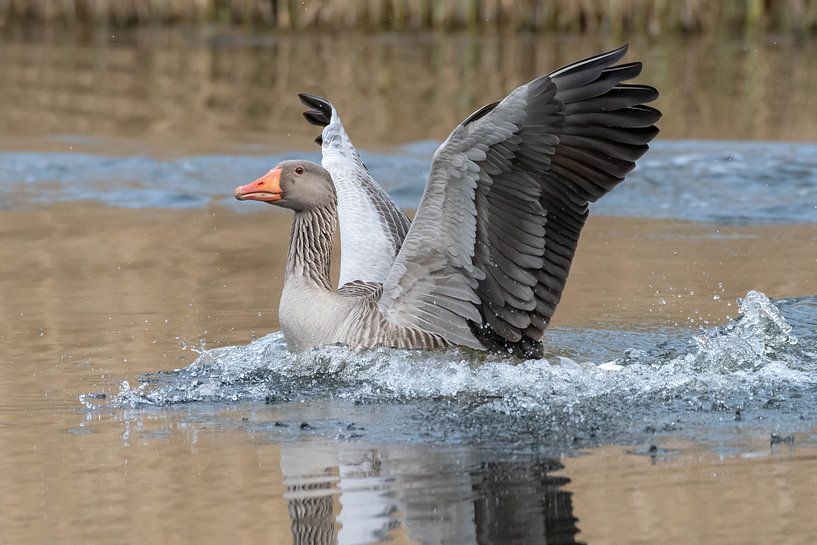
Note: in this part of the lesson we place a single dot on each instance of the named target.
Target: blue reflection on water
(726, 182)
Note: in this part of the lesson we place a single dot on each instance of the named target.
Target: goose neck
(310, 245)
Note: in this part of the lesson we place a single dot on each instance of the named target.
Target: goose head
(297, 185)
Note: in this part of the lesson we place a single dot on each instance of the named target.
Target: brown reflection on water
(766, 495)
(113, 485)
(681, 273)
(174, 91)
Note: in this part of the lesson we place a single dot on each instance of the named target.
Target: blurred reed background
(649, 16)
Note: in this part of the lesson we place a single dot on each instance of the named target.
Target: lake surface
(145, 396)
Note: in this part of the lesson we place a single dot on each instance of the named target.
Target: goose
(484, 263)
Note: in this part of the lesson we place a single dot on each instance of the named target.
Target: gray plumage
(486, 259)
(311, 314)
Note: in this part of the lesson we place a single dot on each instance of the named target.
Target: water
(753, 369)
(727, 182)
(145, 396)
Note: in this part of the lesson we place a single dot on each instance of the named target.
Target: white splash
(738, 363)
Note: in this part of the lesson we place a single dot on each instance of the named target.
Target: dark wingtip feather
(606, 59)
(482, 112)
(316, 117)
(317, 102)
(320, 114)
(646, 93)
(628, 70)
(648, 114)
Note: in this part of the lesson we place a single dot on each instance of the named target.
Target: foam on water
(755, 362)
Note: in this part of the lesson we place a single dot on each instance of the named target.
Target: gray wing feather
(488, 254)
(359, 288)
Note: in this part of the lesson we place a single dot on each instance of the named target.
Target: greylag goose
(486, 259)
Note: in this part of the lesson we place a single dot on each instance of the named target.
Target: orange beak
(267, 188)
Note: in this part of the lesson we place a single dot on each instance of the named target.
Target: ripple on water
(728, 182)
(754, 363)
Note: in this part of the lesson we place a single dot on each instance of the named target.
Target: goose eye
(299, 170)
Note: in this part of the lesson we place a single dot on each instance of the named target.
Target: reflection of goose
(486, 259)
(310, 495)
(315, 475)
(422, 495)
(520, 499)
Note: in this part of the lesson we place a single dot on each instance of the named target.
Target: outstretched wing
(486, 259)
(372, 226)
